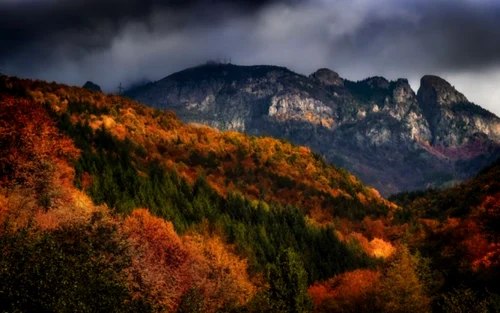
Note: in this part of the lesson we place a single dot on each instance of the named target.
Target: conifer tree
(288, 284)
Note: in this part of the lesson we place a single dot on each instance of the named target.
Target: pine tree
(288, 284)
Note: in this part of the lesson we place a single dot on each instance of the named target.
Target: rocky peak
(91, 86)
(402, 92)
(402, 81)
(328, 77)
(436, 91)
(378, 82)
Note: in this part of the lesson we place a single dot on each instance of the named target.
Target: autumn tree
(75, 268)
(219, 275)
(401, 289)
(159, 259)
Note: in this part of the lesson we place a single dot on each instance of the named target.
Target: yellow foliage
(381, 249)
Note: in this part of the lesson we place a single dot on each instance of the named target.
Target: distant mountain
(390, 137)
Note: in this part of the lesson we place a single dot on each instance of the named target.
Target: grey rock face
(438, 92)
(379, 130)
(452, 118)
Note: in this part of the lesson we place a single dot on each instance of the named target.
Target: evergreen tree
(288, 284)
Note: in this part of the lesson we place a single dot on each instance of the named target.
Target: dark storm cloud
(452, 35)
(91, 24)
(109, 41)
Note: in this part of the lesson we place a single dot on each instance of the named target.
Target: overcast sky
(113, 41)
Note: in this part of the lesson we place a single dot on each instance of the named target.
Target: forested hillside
(107, 205)
(460, 234)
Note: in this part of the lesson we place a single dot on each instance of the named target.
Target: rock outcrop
(452, 118)
(328, 77)
(380, 130)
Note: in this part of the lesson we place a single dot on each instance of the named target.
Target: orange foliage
(468, 240)
(36, 188)
(376, 247)
(251, 164)
(220, 275)
(344, 292)
(321, 216)
(166, 266)
(489, 260)
(159, 259)
(373, 228)
(381, 248)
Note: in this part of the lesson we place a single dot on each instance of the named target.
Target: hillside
(382, 131)
(221, 201)
(107, 205)
(261, 168)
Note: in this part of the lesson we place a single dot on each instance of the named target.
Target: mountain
(107, 204)
(380, 130)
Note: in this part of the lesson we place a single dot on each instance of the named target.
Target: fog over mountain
(109, 41)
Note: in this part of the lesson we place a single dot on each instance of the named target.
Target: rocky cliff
(390, 137)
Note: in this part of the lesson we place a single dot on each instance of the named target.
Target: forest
(107, 205)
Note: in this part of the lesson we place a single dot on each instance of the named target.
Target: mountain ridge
(364, 126)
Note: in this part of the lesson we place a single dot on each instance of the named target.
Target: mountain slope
(222, 210)
(134, 156)
(260, 167)
(390, 137)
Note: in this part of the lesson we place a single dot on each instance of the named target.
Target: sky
(113, 41)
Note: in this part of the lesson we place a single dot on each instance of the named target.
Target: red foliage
(33, 153)
(34, 163)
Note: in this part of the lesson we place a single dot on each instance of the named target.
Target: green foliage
(464, 300)
(115, 179)
(262, 231)
(288, 284)
(259, 231)
(401, 289)
(73, 269)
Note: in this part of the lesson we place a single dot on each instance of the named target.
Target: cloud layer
(111, 41)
